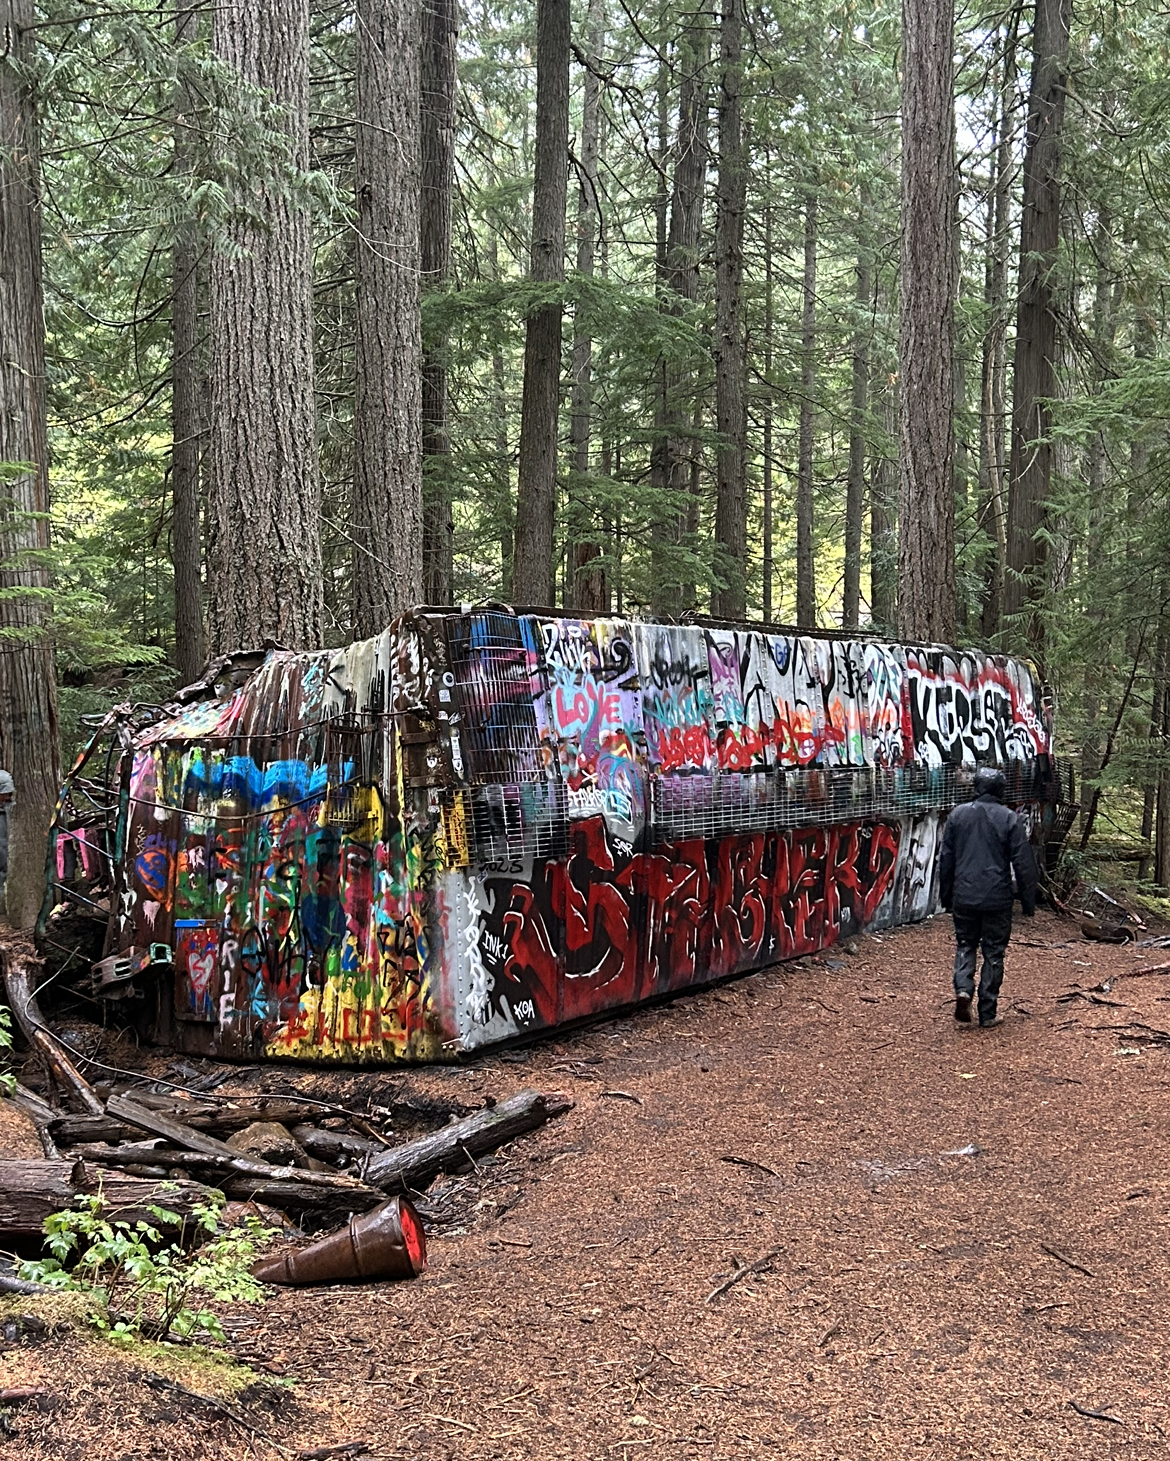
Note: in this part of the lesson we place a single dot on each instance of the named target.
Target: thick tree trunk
(440, 28)
(590, 589)
(883, 521)
(536, 505)
(186, 407)
(766, 408)
(386, 515)
(678, 448)
(926, 541)
(1097, 678)
(730, 345)
(1034, 366)
(806, 573)
(664, 532)
(859, 403)
(993, 377)
(265, 548)
(28, 687)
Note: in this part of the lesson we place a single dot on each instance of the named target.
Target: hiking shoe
(963, 1008)
(992, 1023)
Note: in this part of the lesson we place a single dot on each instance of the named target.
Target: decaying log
(157, 1123)
(73, 1130)
(296, 1195)
(414, 1165)
(299, 1195)
(31, 1191)
(19, 985)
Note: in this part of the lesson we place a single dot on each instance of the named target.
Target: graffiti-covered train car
(484, 823)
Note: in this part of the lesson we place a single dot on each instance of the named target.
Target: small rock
(270, 1141)
(852, 947)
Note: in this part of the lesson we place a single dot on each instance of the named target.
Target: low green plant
(141, 1285)
(7, 1079)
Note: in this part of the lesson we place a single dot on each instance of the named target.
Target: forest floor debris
(563, 1313)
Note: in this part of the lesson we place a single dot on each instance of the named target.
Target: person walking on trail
(983, 843)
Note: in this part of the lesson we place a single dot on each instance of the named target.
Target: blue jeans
(993, 928)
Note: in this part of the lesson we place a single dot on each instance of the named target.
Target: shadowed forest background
(836, 315)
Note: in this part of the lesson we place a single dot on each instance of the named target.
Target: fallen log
(19, 986)
(302, 1196)
(413, 1166)
(32, 1191)
(25, 1288)
(73, 1130)
(157, 1123)
(294, 1194)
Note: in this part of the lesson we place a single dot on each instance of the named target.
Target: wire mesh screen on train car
(498, 680)
(718, 804)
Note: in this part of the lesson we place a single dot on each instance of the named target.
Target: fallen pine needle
(1096, 1414)
(756, 1267)
(1067, 1261)
(747, 1162)
(450, 1420)
(624, 1096)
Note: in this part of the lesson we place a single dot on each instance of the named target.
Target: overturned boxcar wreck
(484, 823)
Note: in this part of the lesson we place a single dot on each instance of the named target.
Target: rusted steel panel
(484, 824)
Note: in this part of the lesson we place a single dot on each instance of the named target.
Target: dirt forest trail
(969, 1231)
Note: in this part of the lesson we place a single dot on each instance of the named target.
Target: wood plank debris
(126, 1109)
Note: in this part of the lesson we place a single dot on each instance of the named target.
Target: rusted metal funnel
(386, 1243)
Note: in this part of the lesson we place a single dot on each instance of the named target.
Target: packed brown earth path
(967, 1228)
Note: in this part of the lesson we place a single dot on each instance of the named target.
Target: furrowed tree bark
(1034, 364)
(265, 540)
(386, 516)
(993, 392)
(926, 540)
(859, 404)
(1097, 678)
(590, 589)
(680, 292)
(440, 29)
(666, 529)
(730, 350)
(806, 578)
(883, 518)
(766, 408)
(536, 504)
(186, 408)
(28, 686)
